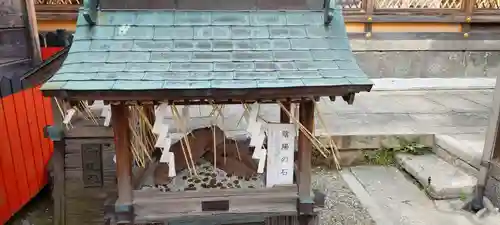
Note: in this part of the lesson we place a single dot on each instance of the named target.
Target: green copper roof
(144, 50)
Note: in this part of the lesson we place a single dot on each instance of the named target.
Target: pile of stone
(209, 177)
(234, 157)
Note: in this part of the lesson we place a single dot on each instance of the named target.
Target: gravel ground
(342, 207)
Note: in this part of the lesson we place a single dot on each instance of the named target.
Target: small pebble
(190, 188)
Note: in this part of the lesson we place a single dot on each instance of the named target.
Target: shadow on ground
(37, 212)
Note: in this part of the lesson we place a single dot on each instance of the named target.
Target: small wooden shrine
(154, 70)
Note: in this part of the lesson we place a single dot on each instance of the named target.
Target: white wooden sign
(280, 154)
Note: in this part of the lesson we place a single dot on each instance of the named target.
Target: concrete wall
(427, 58)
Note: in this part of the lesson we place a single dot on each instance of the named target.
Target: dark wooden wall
(14, 52)
(83, 199)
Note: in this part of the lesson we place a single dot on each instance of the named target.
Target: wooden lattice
(58, 2)
(487, 4)
(429, 4)
(351, 4)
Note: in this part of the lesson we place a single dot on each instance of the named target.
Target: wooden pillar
(468, 7)
(123, 205)
(284, 118)
(58, 173)
(306, 118)
(370, 8)
(490, 166)
(491, 148)
(31, 23)
(58, 191)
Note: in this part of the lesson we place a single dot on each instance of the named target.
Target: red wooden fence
(24, 152)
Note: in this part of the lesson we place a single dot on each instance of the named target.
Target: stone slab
(482, 97)
(467, 150)
(424, 45)
(455, 102)
(367, 141)
(455, 161)
(400, 200)
(447, 181)
(436, 83)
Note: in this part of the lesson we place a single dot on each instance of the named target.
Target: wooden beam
(120, 117)
(56, 12)
(491, 146)
(369, 8)
(306, 118)
(390, 16)
(45, 70)
(468, 7)
(448, 36)
(58, 172)
(284, 118)
(58, 191)
(209, 93)
(154, 205)
(492, 141)
(32, 26)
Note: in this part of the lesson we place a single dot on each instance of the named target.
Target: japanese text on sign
(281, 147)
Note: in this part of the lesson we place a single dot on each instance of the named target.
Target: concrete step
(391, 198)
(440, 179)
(461, 150)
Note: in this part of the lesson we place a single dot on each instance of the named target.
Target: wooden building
(365, 19)
(24, 151)
(132, 57)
